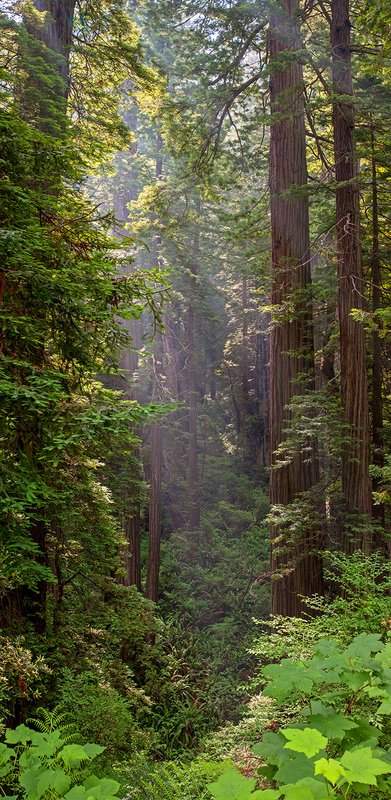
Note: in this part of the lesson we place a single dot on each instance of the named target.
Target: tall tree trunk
(377, 376)
(194, 486)
(354, 392)
(296, 566)
(56, 34)
(155, 495)
(245, 377)
(131, 520)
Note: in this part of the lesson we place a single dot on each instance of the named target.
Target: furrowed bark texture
(377, 372)
(354, 392)
(296, 569)
(57, 33)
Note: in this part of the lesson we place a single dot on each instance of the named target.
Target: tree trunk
(194, 485)
(245, 377)
(57, 33)
(155, 494)
(354, 392)
(155, 514)
(377, 376)
(296, 566)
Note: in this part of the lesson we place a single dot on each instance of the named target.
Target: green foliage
(176, 781)
(35, 765)
(20, 675)
(335, 751)
(99, 709)
(360, 586)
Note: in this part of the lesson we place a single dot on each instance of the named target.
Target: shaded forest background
(194, 366)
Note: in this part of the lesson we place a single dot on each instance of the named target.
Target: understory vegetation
(195, 466)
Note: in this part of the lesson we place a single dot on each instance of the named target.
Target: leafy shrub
(20, 674)
(332, 750)
(101, 712)
(173, 781)
(35, 765)
(363, 603)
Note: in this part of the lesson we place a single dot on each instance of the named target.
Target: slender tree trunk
(194, 489)
(244, 358)
(262, 359)
(155, 495)
(194, 486)
(354, 392)
(377, 376)
(296, 566)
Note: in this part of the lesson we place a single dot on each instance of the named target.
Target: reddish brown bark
(57, 33)
(155, 514)
(354, 392)
(296, 570)
(377, 372)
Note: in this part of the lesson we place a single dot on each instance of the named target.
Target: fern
(48, 721)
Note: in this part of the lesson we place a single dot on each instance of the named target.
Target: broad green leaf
(385, 707)
(6, 753)
(103, 790)
(267, 771)
(91, 781)
(356, 680)
(364, 644)
(266, 794)
(93, 750)
(317, 787)
(29, 780)
(329, 648)
(20, 735)
(308, 741)
(362, 767)
(333, 726)
(76, 793)
(73, 753)
(363, 733)
(231, 785)
(298, 793)
(330, 768)
(384, 655)
(57, 780)
(316, 708)
(287, 677)
(53, 739)
(270, 747)
(294, 767)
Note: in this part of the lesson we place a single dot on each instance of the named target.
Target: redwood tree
(354, 391)
(296, 565)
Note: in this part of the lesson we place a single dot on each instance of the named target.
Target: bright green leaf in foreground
(330, 768)
(231, 785)
(308, 741)
(362, 767)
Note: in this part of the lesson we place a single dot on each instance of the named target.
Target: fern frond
(47, 721)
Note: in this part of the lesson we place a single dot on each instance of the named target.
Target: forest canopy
(195, 471)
